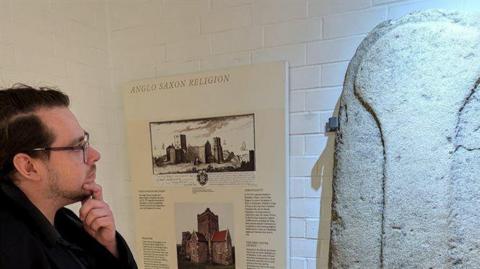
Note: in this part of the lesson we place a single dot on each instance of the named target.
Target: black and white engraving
(218, 144)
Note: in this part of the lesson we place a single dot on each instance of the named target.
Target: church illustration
(208, 245)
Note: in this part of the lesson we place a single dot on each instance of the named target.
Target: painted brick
(82, 73)
(297, 145)
(315, 144)
(322, 99)
(133, 38)
(297, 101)
(125, 14)
(334, 74)
(303, 247)
(332, 50)
(321, 8)
(186, 51)
(297, 207)
(303, 123)
(48, 66)
(226, 19)
(380, 2)
(297, 227)
(305, 77)
(297, 187)
(23, 37)
(34, 13)
(182, 8)
(134, 72)
(396, 11)
(312, 207)
(313, 263)
(302, 166)
(166, 69)
(230, 3)
(101, 13)
(310, 190)
(5, 20)
(80, 11)
(150, 56)
(120, 75)
(297, 263)
(295, 31)
(177, 29)
(271, 11)
(353, 23)
(225, 60)
(294, 54)
(85, 35)
(247, 38)
(89, 56)
(61, 44)
(7, 56)
(313, 226)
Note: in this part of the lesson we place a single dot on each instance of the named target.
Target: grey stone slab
(404, 192)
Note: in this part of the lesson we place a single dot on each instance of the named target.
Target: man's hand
(98, 219)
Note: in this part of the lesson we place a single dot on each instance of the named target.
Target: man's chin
(78, 198)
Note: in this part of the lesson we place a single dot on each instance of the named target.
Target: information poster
(208, 160)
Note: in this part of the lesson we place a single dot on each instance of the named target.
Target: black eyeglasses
(84, 145)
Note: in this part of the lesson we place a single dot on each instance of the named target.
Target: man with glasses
(46, 163)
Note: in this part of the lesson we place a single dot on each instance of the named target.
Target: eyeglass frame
(85, 144)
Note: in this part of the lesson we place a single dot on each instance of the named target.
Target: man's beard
(69, 196)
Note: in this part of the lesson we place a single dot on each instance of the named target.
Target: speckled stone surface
(407, 173)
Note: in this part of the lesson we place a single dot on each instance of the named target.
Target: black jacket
(28, 240)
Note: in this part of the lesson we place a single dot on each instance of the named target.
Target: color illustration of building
(208, 244)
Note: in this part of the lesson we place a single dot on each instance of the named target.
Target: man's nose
(93, 155)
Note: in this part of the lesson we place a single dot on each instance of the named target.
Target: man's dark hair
(21, 130)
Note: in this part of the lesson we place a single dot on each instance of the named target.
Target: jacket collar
(25, 209)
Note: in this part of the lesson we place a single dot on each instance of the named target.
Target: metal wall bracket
(332, 125)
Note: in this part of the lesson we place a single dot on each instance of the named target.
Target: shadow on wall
(321, 177)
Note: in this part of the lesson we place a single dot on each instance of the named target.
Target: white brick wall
(226, 19)
(305, 77)
(322, 8)
(65, 44)
(322, 99)
(303, 247)
(352, 23)
(333, 74)
(241, 39)
(333, 50)
(291, 32)
(90, 47)
(274, 11)
(294, 54)
(297, 101)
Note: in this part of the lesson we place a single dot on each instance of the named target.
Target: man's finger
(95, 189)
(96, 213)
(90, 204)
(102, 222)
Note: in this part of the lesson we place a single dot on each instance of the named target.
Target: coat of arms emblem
(202, 177)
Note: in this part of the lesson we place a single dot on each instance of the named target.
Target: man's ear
(26, 166)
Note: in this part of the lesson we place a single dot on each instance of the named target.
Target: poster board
(208, 157)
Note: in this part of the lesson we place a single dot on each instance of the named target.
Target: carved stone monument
(407, 173)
